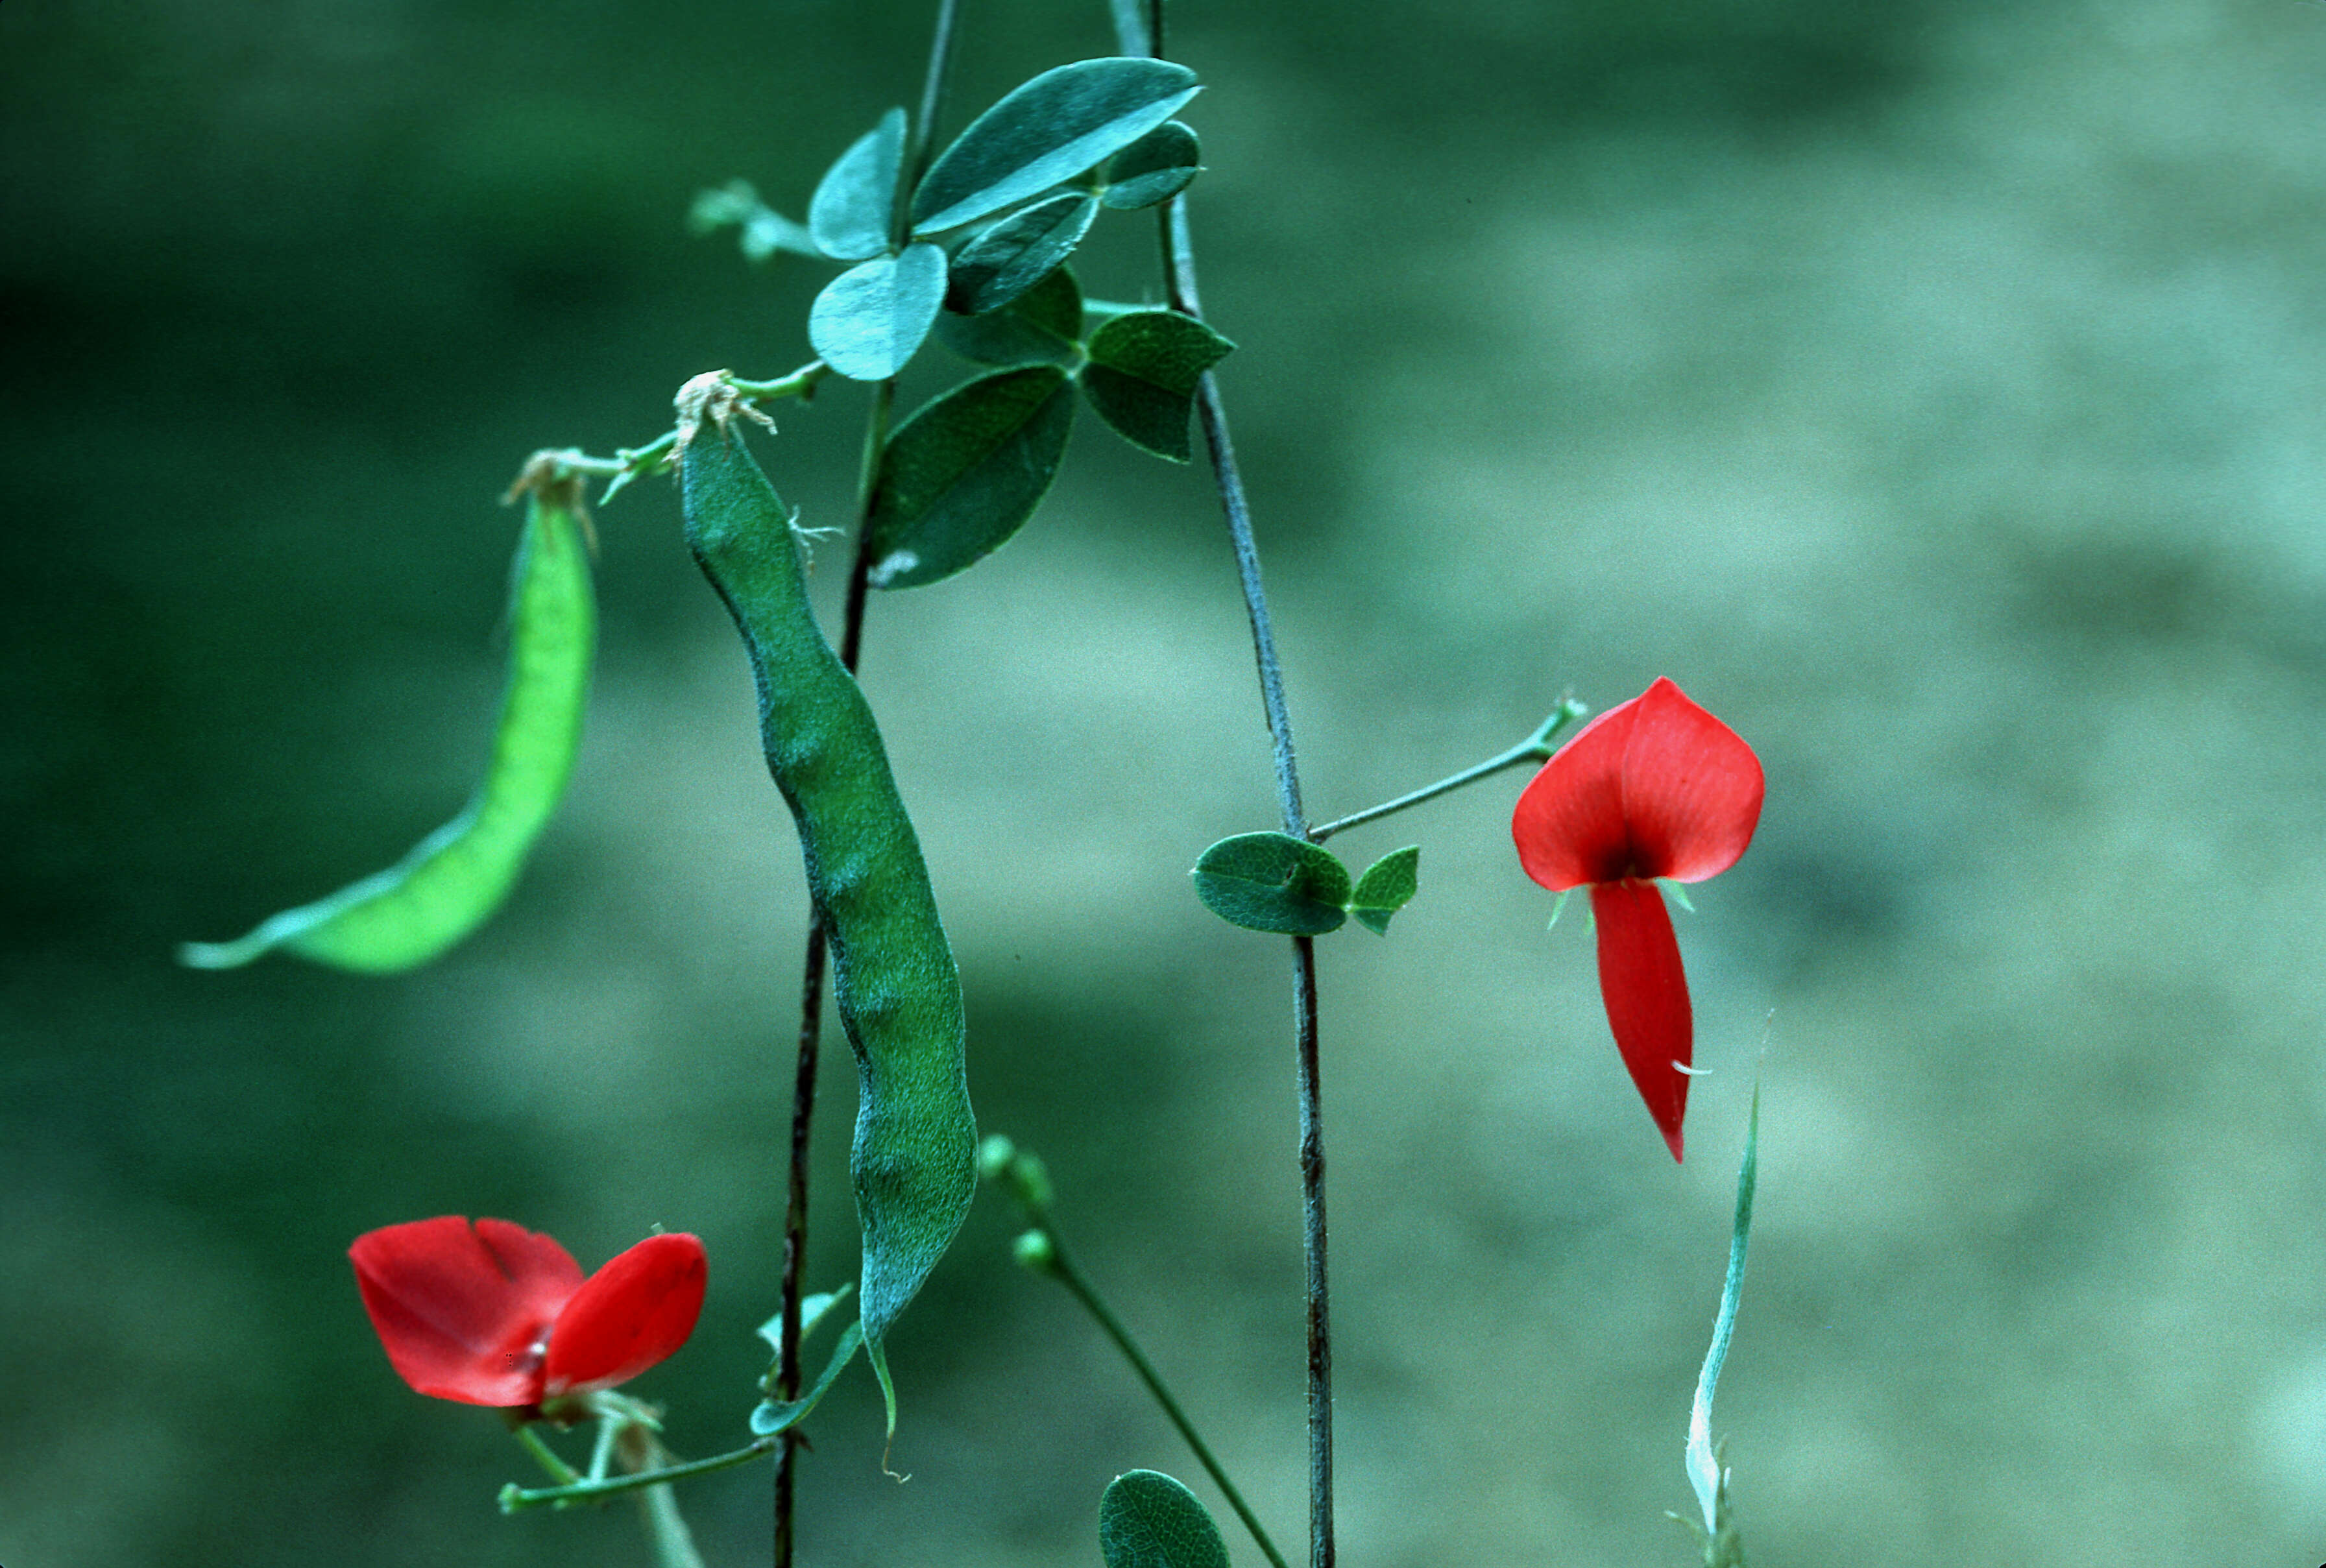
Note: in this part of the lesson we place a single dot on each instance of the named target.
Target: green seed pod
(453, 880)
(914, 1157)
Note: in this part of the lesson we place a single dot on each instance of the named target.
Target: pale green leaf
(1273, 881)
(871, 319)
(764, 230)
(1387, 887)
(1063, 123)
(849, 215)
(774, 1415)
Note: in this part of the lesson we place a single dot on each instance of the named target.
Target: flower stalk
(514, 1499)
(1535, 748)
(1040, 1250)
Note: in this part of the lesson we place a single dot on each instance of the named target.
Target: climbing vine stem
(1179, 281)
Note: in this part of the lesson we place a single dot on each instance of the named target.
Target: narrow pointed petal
(1692, 788)
(1569, 824)
(1646, 995)
(630, 1315)
(462, 1309)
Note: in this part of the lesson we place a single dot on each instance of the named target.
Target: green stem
(560, 1471)
(666, 1531)
(665, 1527)
(1056, 1263)
(1535, 748)
(628, 462)
(515, 1498)
(800, 383)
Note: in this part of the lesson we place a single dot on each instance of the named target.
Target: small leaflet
(1387, 887)
(849, 215)
(870, 320)
(1148, 1520)
(960, 477)
(1275, 883)
(1143, 371)
(1155, 168)
(1017, 253)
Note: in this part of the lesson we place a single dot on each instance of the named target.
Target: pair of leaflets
(1274, 882)
(965, 471)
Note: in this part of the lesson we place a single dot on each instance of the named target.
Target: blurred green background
(1934, 388)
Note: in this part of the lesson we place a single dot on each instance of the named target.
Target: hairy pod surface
(914, 1158)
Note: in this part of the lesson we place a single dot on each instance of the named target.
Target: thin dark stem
(1214, 418)
(1312, 1219)
(1179, 278)
(787, 1375)
(1213, 415)
(852, 646)
(923, 132)
(811, 1028)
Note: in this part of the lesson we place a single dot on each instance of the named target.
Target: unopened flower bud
(1036, 1251)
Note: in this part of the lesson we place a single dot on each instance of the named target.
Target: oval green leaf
(1155, 168)
(1045, 132)
(453, 880)
(964, 474)
(850, 214)
(1274, 882)
(914, 1160)
(1141, 378)
(1017, 253)
(1387, 887)
(871, 319)
(1148, 1520)
(1042, 326)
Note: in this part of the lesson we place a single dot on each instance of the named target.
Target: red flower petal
(630, 1315)
(1569, 824)
(1691, 789)
(1646, 994)
(462, 1309)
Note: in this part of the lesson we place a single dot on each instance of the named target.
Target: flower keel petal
(1646, 995)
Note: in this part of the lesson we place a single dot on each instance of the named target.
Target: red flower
(496, 1314)
(1655, 787)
